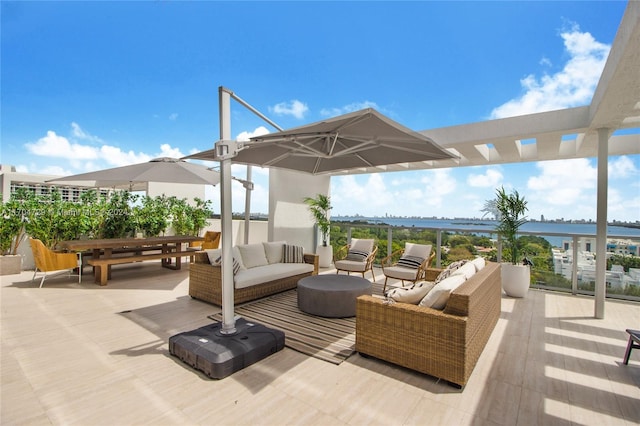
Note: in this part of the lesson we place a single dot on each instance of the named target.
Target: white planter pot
(515, 279)
(325, 256)
(10, 264)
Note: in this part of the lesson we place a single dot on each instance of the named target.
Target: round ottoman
(332, 296)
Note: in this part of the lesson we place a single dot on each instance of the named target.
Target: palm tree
(319, 208)
(511, 208)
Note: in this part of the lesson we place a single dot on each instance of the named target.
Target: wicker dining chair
(211, 240)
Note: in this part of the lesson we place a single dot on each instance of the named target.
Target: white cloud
(173, 117)
(621, 168)
(563, 189)
(490, 179)
(259, 131)
(116, 157)
(55, 170)
(356, 106)
(79, 133)
(294, 108)
(572, 86)
(418, 194)
(167, 150)
(56, 146)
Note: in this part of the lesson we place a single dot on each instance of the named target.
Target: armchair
(211, 240)
(356, 257)
(47, 260)
(411, 266)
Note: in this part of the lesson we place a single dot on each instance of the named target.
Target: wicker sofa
(250, 282)
(445, 344)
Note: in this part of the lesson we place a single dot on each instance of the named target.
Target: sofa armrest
(201, 257)
(314, 260)
(432, 273)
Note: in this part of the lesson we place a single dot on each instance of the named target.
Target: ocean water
(486, 226)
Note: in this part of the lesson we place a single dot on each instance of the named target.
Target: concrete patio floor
(88, 355)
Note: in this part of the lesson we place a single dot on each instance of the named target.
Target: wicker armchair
(411, 264)
(47, 260)
(211, 240)
(356, 257)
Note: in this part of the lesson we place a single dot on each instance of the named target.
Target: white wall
(258, 230)
(289, 217)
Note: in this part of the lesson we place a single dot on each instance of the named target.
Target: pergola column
(601, 221)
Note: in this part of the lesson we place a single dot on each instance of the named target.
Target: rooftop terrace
(83, 354)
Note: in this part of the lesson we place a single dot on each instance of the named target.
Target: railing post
(438, 248)
(574, 267)
(389, 240)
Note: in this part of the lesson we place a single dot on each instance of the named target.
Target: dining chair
(47, 260)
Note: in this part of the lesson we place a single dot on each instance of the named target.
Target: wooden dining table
(132, 250)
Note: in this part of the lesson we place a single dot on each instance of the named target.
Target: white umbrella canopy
(136, 176)
(364, 139)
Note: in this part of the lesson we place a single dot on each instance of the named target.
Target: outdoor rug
(329, 339)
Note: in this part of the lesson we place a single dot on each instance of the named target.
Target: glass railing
(552, 255)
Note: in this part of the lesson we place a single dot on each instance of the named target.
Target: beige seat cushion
(401, 272)
(350, 265)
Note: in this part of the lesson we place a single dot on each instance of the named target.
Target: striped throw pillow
(357, 255)
(292, 254)
(412, 262)
(236, 265)
(449, 270)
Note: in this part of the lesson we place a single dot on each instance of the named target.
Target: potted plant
(12, 234)
(511, 209)
(320, 207)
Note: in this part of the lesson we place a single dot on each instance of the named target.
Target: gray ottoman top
(332, 296)
(335, 282)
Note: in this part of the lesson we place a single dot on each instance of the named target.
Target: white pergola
(580, 132)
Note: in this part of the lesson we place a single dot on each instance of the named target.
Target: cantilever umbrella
(364, 140)
(136, 176)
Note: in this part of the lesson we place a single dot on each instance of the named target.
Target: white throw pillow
(468, 270)
(479, 263)
(417, 250)
(413, 294)
(253, 255)
(438, 297)
(273, 251)
(361, 245)
(214, 256)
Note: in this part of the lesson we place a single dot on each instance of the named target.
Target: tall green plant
(118, 215)
(152, 217)
(320, 207)
(511, 208)
(12, 230)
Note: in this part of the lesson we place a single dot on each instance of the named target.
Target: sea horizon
(546, 229)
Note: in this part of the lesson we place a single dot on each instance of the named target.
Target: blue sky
(93, 85)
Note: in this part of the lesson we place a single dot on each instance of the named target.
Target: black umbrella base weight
(218, 355)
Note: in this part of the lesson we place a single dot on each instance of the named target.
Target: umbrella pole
(228, 320)
(247, 206)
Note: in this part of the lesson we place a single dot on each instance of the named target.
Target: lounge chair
(47, 260)
(411, 266)
(356, 257)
